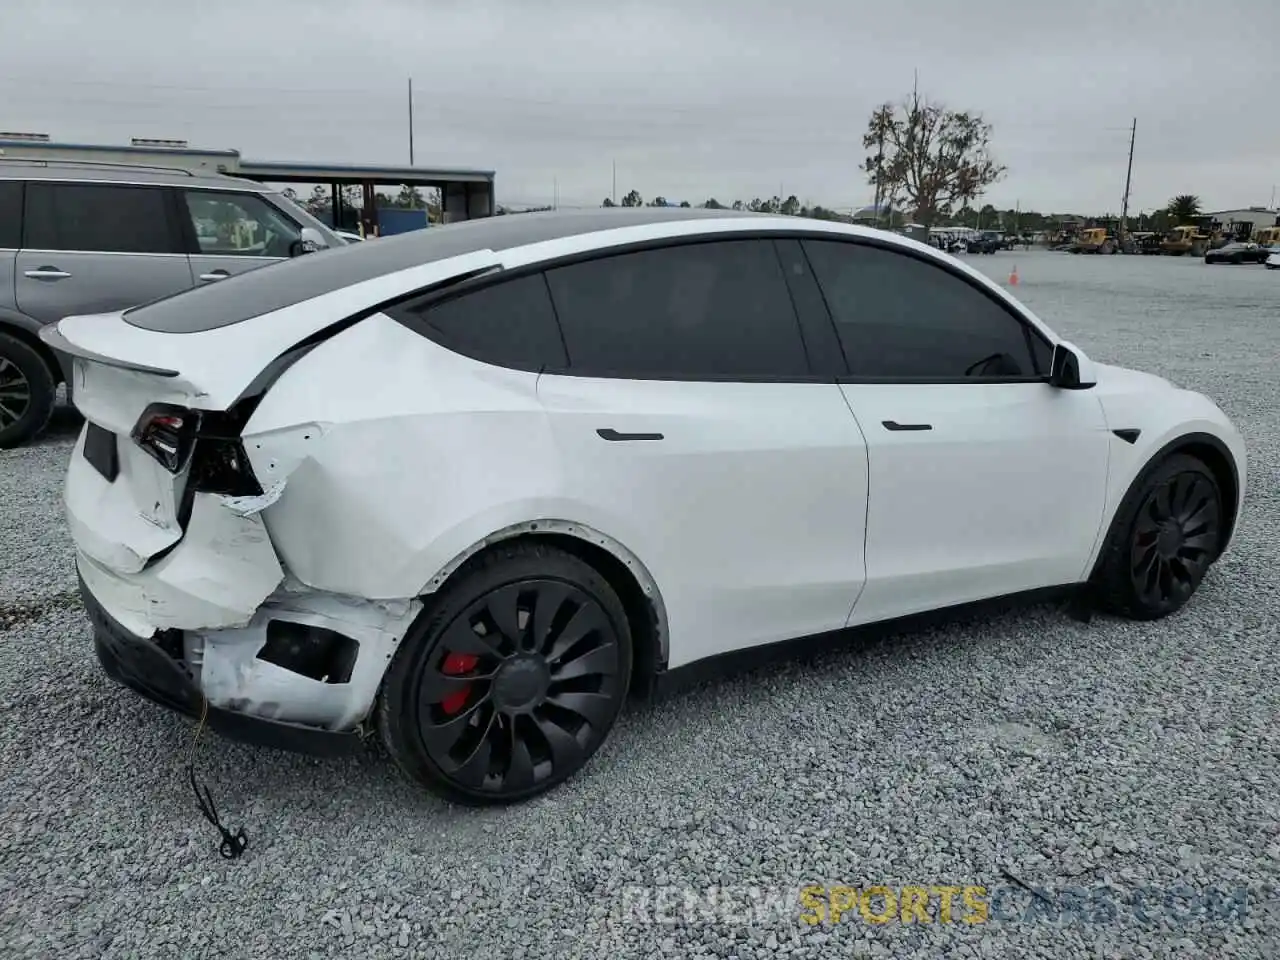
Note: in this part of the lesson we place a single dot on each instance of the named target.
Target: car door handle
(214, 275)
(47, 273)
(608, 433)
(895, 425)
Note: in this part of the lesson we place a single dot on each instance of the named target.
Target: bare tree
(928, 156)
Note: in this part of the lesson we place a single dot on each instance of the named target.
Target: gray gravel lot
(1105, 756)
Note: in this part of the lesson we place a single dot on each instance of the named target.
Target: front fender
(1166, 422)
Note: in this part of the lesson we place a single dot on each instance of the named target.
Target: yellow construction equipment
(1095, 240)
(1195, 238)
(1267, 236)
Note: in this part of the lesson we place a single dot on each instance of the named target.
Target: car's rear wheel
(511, 679)
(27, 392)
(1162, 541)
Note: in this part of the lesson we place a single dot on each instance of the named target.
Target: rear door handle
(47, 273)
(214, 275)
(608, 433)
(895, 425)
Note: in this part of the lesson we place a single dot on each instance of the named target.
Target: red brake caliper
(456, 664)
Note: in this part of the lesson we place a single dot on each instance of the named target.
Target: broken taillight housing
(167, 433)
(208, 442)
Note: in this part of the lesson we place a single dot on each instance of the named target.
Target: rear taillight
(167, 434)
(207, 442)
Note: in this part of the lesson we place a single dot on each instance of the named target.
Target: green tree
(608, 202)
(633, 199)
(790, 207)
(658, 202)
(685, 203)
(712, 204)
(929, 156)
(409, 198)
(1184, 208)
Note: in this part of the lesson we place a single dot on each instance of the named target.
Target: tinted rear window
(100, 218)
(510, 324)
(693, 311)
(10, 214)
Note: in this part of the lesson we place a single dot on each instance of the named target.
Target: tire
(1162, 541)
(479, 709)
(27, 392)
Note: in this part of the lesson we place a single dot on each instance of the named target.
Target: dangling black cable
(233, 844)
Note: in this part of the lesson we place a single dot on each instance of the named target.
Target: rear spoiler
(53, 337)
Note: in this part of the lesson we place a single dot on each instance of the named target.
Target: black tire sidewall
(43, 386)
(503, 566)
(1111, 580)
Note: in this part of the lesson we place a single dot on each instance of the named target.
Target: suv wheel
(27, 392)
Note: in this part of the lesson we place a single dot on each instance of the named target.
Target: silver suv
(79, 238)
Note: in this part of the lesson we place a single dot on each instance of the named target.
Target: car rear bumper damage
(300, 671)
(151, 668)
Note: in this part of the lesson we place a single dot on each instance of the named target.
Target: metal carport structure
(465, 194)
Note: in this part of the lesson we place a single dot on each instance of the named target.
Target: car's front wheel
(510, 680)
(1162, 541)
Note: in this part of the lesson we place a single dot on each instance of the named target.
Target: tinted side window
(10, 214)
(716, 311)
(100, 218)
(510, 324)
(898, 316)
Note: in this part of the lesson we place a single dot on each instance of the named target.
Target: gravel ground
(1108, 756)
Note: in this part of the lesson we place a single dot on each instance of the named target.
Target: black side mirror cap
(1065, 372)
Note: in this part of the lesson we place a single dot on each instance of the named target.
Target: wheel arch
(1214, 453)
(626, 573)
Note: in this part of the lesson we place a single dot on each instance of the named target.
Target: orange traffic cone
(1013, 277)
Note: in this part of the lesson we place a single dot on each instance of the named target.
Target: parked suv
(84, 238)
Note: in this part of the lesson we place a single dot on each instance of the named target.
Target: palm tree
(1184, 208)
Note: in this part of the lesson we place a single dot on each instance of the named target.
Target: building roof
(232, 163)
(284, 171)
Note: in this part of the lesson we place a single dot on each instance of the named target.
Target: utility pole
(411, 121)
(555, 193)
(614, 193)
(1128, 179)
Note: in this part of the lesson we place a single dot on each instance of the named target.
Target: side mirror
(309, 240)
(1070, 369)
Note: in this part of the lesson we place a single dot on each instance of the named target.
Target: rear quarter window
(508, 324)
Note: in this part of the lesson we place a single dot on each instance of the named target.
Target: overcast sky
(690, 98)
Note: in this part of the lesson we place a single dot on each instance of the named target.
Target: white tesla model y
(470, 486)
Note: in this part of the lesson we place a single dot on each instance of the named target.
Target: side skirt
(670, 682)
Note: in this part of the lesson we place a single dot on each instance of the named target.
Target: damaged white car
(471, 485)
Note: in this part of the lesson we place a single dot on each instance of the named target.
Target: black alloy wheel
(1174, 539)
(513, 682)
(1165, 536)
(27, 391)
(15, 393)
